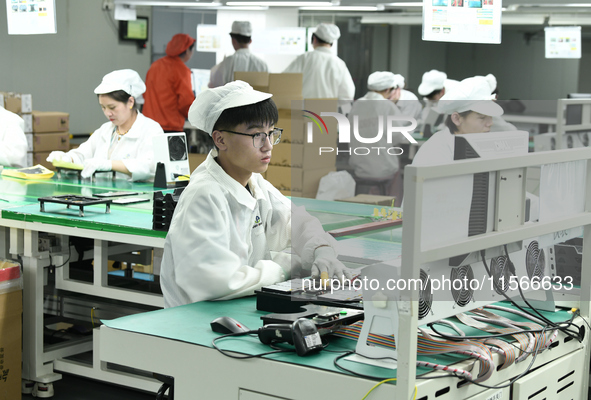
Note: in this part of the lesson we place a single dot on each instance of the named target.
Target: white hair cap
(123, 79)
(471, 94)
(400, 81)
(381, 80)
(328, 32)
(432, 80)
(209, 104)
(243, 28)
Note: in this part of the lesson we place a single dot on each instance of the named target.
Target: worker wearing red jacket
(169, 93)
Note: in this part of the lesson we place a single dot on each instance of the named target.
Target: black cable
(575, 335)
(53, 267)
(246, 356)
(543, 318)
(350, 352)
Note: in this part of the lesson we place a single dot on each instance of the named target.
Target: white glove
(326, 265)
(96, 164)
(59, 156)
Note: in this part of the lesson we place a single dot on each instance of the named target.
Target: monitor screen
(134, 30)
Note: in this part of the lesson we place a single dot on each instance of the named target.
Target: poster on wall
(462, 21)
(279, 41)
(563, 41)
(209, 37)
(30, 17)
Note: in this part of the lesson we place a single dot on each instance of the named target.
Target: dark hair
(121, 96)
(319, 40)
(240, 38)
(264, 113)
(434, 93)
(453, 128)
(188, 48)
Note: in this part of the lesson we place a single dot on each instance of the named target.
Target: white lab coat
(242, 60)
(325, 75)
(409, 104)
(437, 150)
(369, 109)
(13, 142)
(225, 243)
(134, 148)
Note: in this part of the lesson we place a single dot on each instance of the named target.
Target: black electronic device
(227, 325)
(303, 334)
(326, 319)
(135, 31)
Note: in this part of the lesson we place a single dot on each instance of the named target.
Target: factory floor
(72, 387)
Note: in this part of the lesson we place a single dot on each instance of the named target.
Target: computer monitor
(136, 31)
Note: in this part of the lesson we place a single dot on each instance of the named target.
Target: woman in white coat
(367, 111)
(124, 144)
(13, 143)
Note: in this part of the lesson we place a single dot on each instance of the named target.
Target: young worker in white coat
(13, 142)
(124, 144)
(231, 226)
(470, 110)
(324, 74)
(368, 110)
(241, 60)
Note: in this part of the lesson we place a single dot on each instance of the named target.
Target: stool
(364, 185)
(167, 385)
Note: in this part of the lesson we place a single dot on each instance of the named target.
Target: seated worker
(499, 124)
(408, 102)
(169, 92)
(13, 142)
(432, 88)
(470, 110)
(369, 110)
(241, 60)
(231, 226)
(124, 144)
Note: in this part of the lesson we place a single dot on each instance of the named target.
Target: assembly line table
(128, 227)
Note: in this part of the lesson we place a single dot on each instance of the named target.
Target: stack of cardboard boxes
(50, 133)
(45, 131)
(296, 163)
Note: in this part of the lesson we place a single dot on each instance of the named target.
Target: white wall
(277, 17)
(62, 70)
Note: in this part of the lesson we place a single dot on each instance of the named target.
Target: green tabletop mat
(191, 323)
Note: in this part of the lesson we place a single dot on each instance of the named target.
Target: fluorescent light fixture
(404, 4)
(167, 3)
(280, 3)
(246, 8)
(341, 8)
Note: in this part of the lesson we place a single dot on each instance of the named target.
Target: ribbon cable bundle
(527, 342)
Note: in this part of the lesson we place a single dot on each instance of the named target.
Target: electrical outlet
(108, 5)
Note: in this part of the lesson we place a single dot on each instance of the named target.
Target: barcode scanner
(303, 334)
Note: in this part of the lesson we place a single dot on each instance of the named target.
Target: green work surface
(121, 219)
(191, 324)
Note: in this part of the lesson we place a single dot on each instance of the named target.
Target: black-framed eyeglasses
(259, 138)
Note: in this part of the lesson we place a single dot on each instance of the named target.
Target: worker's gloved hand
(58, 156)
(327, 266)
(96, 164)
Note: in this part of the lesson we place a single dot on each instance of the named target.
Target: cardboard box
(40, 158)
(304, 181)
(195, 159)
(277, 84)
(290, 193)
(373, 199)
(48, 141)
(11, 309)
(17, 103)
(50, 121)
